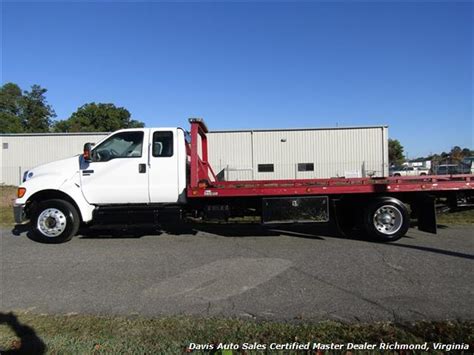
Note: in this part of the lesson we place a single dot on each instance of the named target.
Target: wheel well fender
(386, 199)
(48, 195)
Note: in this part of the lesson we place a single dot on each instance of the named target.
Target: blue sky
(255, 65)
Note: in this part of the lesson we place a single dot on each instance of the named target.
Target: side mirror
(87, 151)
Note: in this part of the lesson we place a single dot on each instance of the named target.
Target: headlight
(27, 175)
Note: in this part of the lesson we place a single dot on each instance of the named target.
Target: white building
(234, 155)
(21, 152)
(299, 153)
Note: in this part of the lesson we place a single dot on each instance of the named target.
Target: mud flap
(342, 217)
(426, 214)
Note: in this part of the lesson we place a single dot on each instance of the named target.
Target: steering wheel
(99, 155)
(114, 153)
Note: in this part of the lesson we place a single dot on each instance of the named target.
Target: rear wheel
(54, 221)
(386, 220)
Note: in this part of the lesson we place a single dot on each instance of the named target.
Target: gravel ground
(243, 271)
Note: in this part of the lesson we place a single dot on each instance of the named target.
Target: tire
(423, 174)
(397, 174)
(54, 221)
(386, 220)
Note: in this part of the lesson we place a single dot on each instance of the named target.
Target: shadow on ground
(224, 230)
(434, 250)
(28, 341)
(307, 231)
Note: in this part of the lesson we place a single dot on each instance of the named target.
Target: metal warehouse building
(300, 153)
(234, 155)
(21, 152)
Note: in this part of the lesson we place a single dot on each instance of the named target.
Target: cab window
(162, 144)
(120, 145)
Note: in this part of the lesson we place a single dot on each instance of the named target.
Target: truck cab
(136, 166)
(128, 168)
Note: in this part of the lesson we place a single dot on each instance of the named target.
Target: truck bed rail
(203, 182)
(333, 186)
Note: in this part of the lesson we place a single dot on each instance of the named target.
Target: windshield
(120, 145)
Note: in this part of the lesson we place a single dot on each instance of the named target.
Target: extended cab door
(118, 172)
(167, 165)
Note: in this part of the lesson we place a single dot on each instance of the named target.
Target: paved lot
(245, 272)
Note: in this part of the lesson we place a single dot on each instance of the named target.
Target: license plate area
(311, 209)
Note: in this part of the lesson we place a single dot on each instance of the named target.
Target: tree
(26, 111)
(10, 100)
(36, 113)
(456, 153)
(466, 152)
(29, 111)
(98, 117)
(395, 152)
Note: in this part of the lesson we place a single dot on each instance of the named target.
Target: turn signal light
(20, 192)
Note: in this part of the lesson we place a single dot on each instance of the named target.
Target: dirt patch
(7, 195)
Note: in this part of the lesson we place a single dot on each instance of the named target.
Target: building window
(265, 168)
(5, 145)
(163, 144)
(306, 167)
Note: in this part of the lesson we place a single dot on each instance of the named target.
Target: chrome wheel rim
(388, 219)
(51, 222)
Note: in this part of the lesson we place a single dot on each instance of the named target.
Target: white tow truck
(162, 175)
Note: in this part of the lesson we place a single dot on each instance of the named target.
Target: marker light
(203, 184)
(20, 192)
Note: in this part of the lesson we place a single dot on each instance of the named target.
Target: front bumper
(19, 213)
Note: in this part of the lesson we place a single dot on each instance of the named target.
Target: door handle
(142, 168)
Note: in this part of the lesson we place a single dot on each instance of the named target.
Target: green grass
(457, 218)
(91, 334)
(7, 195)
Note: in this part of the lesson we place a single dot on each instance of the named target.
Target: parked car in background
(408, 171)
(447, 169)
(466, 166)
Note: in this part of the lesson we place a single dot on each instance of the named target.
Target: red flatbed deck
(204, 183)
(332, 186)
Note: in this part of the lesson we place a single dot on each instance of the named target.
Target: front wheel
(54, 221)
(386, 219)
